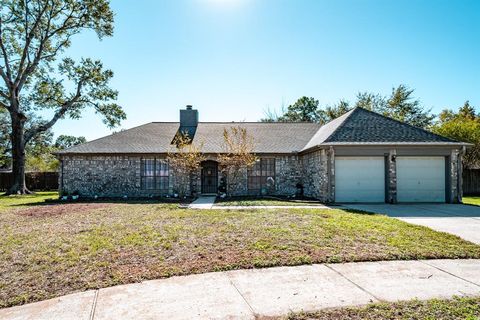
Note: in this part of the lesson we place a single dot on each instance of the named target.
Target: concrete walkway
(203, 202)
(458, 219)
(244, 294)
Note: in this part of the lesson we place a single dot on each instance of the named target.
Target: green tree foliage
(65, 141)
(38, 152)
(304, 109)
(335, 111)
(371, 101)
(35, 74)
(463, 125)
(400, 105)
(404, 107)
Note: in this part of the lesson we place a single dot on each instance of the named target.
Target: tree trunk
(18, 157)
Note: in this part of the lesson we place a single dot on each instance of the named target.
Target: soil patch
(51, 210)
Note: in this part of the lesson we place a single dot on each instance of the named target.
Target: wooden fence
(35, 180)
(471, 182)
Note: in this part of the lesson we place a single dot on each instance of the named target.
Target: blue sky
(232, 59)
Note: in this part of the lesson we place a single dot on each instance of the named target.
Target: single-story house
(361, 156)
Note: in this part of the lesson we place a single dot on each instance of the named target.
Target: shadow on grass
(54, 202)
(356, 211)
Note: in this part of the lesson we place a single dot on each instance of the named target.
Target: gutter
(464, 145)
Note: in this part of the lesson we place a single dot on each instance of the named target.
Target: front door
(209, 177)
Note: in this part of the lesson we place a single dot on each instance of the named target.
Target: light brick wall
(116, 176)
(316, 167)
(104, 176)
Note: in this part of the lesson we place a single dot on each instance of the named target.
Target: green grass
(452, 309)
(52, 250)
(472, 200)
(7, 202)
(248, 202)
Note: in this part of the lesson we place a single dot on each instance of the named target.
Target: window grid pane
(259, 173)
(154, 174)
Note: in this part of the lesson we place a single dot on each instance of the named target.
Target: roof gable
(363, 126)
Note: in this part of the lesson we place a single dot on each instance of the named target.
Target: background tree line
(462, 124)
(39, 153)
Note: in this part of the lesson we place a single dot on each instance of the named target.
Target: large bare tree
(185, 162)
(237, 156)
(37, 76)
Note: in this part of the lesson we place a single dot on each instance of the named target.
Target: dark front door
(209, 177)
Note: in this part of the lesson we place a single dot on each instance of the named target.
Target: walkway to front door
(209, 176)
(203, 202)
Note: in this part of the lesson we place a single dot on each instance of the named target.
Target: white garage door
(421, 179)
(359, 179)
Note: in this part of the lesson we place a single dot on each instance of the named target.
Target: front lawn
(52, 250)
(435, 309)
(472, 200)
(252, 201)
(7, 202)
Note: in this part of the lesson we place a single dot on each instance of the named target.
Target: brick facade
(314, 172)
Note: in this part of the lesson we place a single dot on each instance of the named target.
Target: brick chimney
(188, 121)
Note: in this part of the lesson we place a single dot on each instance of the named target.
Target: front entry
(209, 176)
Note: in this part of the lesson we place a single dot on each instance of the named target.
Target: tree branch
(8, 76)
(29, 37)
(22, 76)
(4, 95)
(4, 106)
(59, 114)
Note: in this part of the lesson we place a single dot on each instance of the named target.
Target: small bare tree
(238, 155)
(185, 162)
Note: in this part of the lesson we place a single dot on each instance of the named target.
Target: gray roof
(156, 137)
(361, 126)
(357, 127)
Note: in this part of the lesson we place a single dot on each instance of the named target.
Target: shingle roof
(358, 126)
(361, 126)
(156, 137)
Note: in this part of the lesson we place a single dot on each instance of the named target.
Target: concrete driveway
(461, 220)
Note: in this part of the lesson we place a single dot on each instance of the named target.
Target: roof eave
(333, 144)
(436, 143)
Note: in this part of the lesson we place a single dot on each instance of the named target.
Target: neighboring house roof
(156, 137)
(356, 127)
(361, 126)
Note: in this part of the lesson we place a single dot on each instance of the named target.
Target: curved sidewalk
(244, 294)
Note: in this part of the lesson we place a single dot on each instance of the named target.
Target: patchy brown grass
(448, 309)
(51, 210)
(48, 255)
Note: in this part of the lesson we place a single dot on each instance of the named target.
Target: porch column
(391, 176)
(455, 171)
(331, 174)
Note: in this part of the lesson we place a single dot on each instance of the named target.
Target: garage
(421, 179)
(359, 179)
